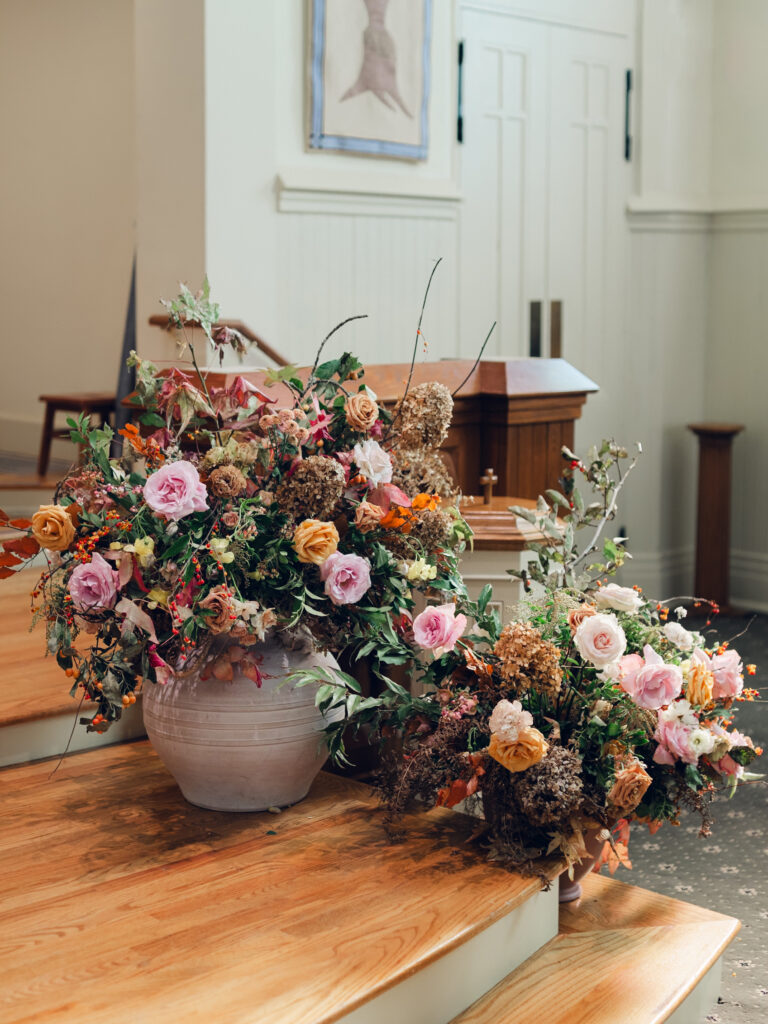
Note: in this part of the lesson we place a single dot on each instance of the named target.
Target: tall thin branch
(477, 361)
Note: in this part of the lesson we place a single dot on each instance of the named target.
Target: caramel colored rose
(361, 411)
(219, 603)
(577, 616)
(628, 788)
(314, 541)
(368, 516)
(529, 748)
(52, 527)
(700, 685)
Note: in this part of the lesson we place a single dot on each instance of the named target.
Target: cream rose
(360, 411)
(678, 635)
(315, 541)
(600, 639)
(628, 788)
(373, 462)
(529, 748)
(53, 528)
(621, 599)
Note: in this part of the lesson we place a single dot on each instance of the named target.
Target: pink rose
(438, 628)
(347, 577)
(176, 490)
(727, 670)
(600, 639)
(673, 738)
(93, 585)
(651, 683)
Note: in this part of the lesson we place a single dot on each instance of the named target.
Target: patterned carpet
(728, 871)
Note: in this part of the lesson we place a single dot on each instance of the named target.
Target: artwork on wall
(369, 76)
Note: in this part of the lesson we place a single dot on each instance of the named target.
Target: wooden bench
(101, 404)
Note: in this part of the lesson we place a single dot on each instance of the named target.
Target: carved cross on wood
(488, 481)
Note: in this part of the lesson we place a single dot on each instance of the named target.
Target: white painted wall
(67, 202)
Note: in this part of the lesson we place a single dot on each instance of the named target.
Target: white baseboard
(749, 580)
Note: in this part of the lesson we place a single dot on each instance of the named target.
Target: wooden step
(123, 903)
(38, 718)
(621, 954)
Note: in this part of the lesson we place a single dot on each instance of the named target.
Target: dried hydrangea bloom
(416, 470)
(550, 792)
(431, 529)
(227, 482)
(424, 415)
(527, 660)
(313, 489)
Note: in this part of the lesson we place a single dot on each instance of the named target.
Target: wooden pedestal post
(713, 534)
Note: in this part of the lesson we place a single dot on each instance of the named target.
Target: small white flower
(679, 636)
(701, 741)
(508, 719)
(681, 612)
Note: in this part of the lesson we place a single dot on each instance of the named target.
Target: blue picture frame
(318, 139)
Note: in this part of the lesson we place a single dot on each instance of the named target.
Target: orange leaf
(6, 558)
(5, 573)
(26, 546)
(21, 524)
(3, 516)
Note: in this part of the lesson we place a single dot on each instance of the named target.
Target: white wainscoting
(344, 253)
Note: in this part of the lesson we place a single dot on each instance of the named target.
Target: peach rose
(53, 528)
(529, 748)
(700, 684)
(577, 615)
(368, 516)
(315, 541)
(361, 411)
(219, 603)
(628, 788)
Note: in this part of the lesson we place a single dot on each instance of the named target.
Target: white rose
(701, 741)
(678, 635)
(622, 599)
(600, 639)
(373, 462)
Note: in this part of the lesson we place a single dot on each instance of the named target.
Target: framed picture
(369, 76)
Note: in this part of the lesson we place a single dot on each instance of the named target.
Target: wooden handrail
(159, 320)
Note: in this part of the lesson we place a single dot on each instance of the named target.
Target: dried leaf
(26, 546)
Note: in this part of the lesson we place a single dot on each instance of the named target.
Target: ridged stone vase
(235, 746)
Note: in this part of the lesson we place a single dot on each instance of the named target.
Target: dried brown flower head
(527, 660)
(551, 791)
(424, 415)
(226, 482)
(431, 529)
(418, 471)
(218, 601)
(313, 490)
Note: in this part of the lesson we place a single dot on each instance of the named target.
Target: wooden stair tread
(122, 902)
(622, 953)
(30, 482)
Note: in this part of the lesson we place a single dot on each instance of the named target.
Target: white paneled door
(545, 183)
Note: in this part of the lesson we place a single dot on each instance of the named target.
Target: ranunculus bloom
(368, 516)
(219, 603)
(678, 635)
(508, 720)
(93, 585)
(600, 639)
(373, 462)
(528, 749)
(673, 738)
(621, 599)
(360, 411)
(438, 628)
(628, 788)
(53, 528)
(652, 683)
(577, 615)
(176, 490)
(347, 578)
(314, 541)
(727, 670)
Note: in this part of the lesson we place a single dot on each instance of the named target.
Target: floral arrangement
(594, 708)
(234, 513)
